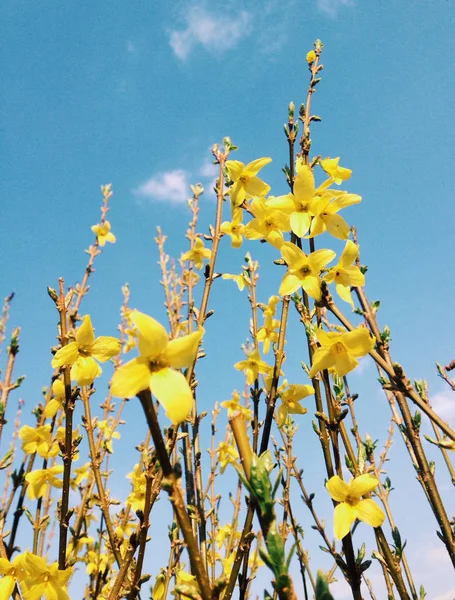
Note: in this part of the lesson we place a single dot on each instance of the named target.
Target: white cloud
(450, 595)
(444, 404)
(170, 186)
(215, 32)
(208, 169)
(331, 7)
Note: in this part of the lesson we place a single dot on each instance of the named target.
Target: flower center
(338, 348)
(351, 501)
(304, 271)
(156, 365)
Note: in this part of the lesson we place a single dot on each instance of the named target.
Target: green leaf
(322, 591)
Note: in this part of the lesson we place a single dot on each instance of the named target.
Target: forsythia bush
(62, 504)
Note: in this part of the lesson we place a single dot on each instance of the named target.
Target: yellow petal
(337, 226)
(85, 335)
(344, 293)
(255, 166)
(282, 415)
(294, 257)
(349, 254)
(66, 356)
(285, 204)
(344, 362)
(300, 223)
(369, 512)
(290, 284)
(131, 378)
(312, 286)
(256, 187)
(343, 518)
(344, 200)
(237, 194)
(304, 184)
(152, 337)
(105, 347)
(7, 585)
(359, 342)
(355, 276)
(319, 259)
(173, 393)
(235, 169)
(361, 485)
(85, 370)
(181, 352)
(338, 489)
(322, 359)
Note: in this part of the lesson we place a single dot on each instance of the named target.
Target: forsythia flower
(38, 440)
(235, 229)
(81, 473)
(81, 354)
(45, 580)
(158, 588)
(187, 581)
(345, 274)
(137, 497)
(103, 233)
(39, 479)
(227, 454)
(268, 223)
(233, 405)
(325, 208)
(12, 572)
(332, 168)
(268, 333)
(154, 368)
(351, 506)
(97, 562)
(54, 405)
(303, 270)
(198, 253)
(290, 399)
(311, 57)
(108, 434)
(252, 366)
(241, 280)
(246, 182)
(339, 350)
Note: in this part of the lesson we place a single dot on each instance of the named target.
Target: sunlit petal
(65, 356)
(361, 485)
(322, 359)
(343, 518)
(338, 489)
(85, 370)
(173, 393)
(290, 284)
(152, 337)
(85, 335)
(255, 166)
(105, 347)
(181, 352)
(369, 512)
(131, 378)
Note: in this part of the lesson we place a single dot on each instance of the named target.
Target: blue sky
(135, 94)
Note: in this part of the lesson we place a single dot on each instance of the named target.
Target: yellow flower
(56, 403)
(311, 57)
(339, 350)
(39, 479)
(290, 399)
(297, 205)
(81, 473)
(246, 182)
(103, 233)
(38, 440)
(97, 562)
(234, 228)
(337, 173)
(268, 223)
(325, 208)
(81, 354)
(252, 366)
(233, 405)
(108, 434)
(154, 368)
(241, 280)
(345, 274)
(158, 588)
(267, 334)
(12, 572)
(198, 253)
(227, 454)
(45, 580)
(270, 309)
(137, 497)
(303, 270)
(351, 506)
(228, 563)
(223, 534)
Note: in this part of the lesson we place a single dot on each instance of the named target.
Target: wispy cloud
(444, 404)
(170, 186)
(216, 32)
(332, 7)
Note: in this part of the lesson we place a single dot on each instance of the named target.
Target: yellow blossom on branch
(268, 223)
(108, 434)
(234, 405)
(235, 229)
(12, 573)
(332, 168)
(325, 209)
(80, 475)
(303, 270)
(252, 366)
(38, 440)
(155, 367)
(241, 280)
(246, 182)
(345, 274)
(227, 454)
(39, 479)
(81, 354)
(56, 402)
(351, 506)
(290, 401)
(103, 233)
(339, 350)
(311, 57)
(268, 333)
(44, 580)
(198, 253)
